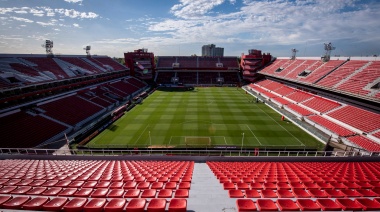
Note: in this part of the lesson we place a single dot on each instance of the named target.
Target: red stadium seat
(252, 194)
(328, 205)
(55, 204)
(268, 193)
(266, 205)
(184, 185)
(368, 204)
(178, 205)
(68, 192)
(301, 193)
(89, 184)
(170, 185)
(115, 193)
(75, 205)
(132, 193)
(235, 194)
(348, 204)
(16, 202)
(53, 191)
(35, 204)
(245, 205)
(21, 190)
(143, 185)
(130, 185)
(228, 186)
(308, 205)
(332, 193)
(318, 193)
(136, 205)
(99, 193)
(156, 205)
(287, 205)
(165, 193)
(95, 205)
(285, 194)
(157, 185)
(115, 205)
(149, 193)
(83, 192)
(7, 189)
(36, 191)
(181, 193)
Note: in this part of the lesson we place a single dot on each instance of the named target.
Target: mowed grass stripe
(225, 113)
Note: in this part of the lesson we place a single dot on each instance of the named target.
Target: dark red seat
(267, 193)
(228, 186)
(368, 204)
(308, 205)
(21, 190)
(136, 205)
(7, 189)
(116, 193)
(35, 203)
(116, 185)
(235, 194)
(351, 193)
(83, 192)
(348, 204)
(299, 193)
(53, 191)
(287, 205)
(284, 194)
(103, 184)
(130, 185)
(115, 205)
(75, 205)
(89, 184)
(68, 192)
(170, 185)
(132, 193)
(99, 193)
(95, 205)
(156, 205)
(36, 191)
(252, 194)
(55, 204)
(184, 185)
(181, 193)
(245, 205)
(76, 184)
(328, 205)
(332, 193)
(157, 185)
(318, 193)
(16, 202)
(143, 185)
(178, 205)
(367, 192)
(266, 205)
(165, 193)
(149, 193)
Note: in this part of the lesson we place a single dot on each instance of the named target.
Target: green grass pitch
(206, 116)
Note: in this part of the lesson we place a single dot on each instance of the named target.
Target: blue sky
(181, 27)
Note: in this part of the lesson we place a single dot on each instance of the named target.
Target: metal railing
(179, 152)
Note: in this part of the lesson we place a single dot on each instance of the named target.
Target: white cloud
(22, 19)
(76, 25)
(74, 1)
(191, 8)
(76, 14)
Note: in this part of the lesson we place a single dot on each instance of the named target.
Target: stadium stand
(321, 105)
(21, 121)
(361, 119)
(365, 143)
(298, 109)
(333, 127)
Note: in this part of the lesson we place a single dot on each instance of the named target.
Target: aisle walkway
(207, 194)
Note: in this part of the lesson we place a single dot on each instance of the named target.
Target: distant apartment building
(212, 51)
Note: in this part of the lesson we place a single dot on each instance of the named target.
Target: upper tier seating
(70, 110)
(229, 62)
(321, 71)
(165, 77)
(306, 65)
(42, 129)
(187, 62)
(166, 62)
(207, 62)
(333, 127)
(48, 64)
(361, 119)
(109, 61)
(24, 69)
(81, 63)
(341, 73)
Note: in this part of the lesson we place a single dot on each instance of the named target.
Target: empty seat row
(99, 192)
(300, 193)
(308, 204)
(97, 204)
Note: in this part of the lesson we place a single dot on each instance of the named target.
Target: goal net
(198, 141)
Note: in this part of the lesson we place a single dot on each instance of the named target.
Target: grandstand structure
(141, 63)
(44, 97)
(197, 71)
(252, 62)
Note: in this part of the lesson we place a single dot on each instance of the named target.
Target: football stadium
(255, 132)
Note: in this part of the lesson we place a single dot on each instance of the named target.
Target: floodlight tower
(87, 48)
(48, 45)
(328, 48)
(294, 52)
